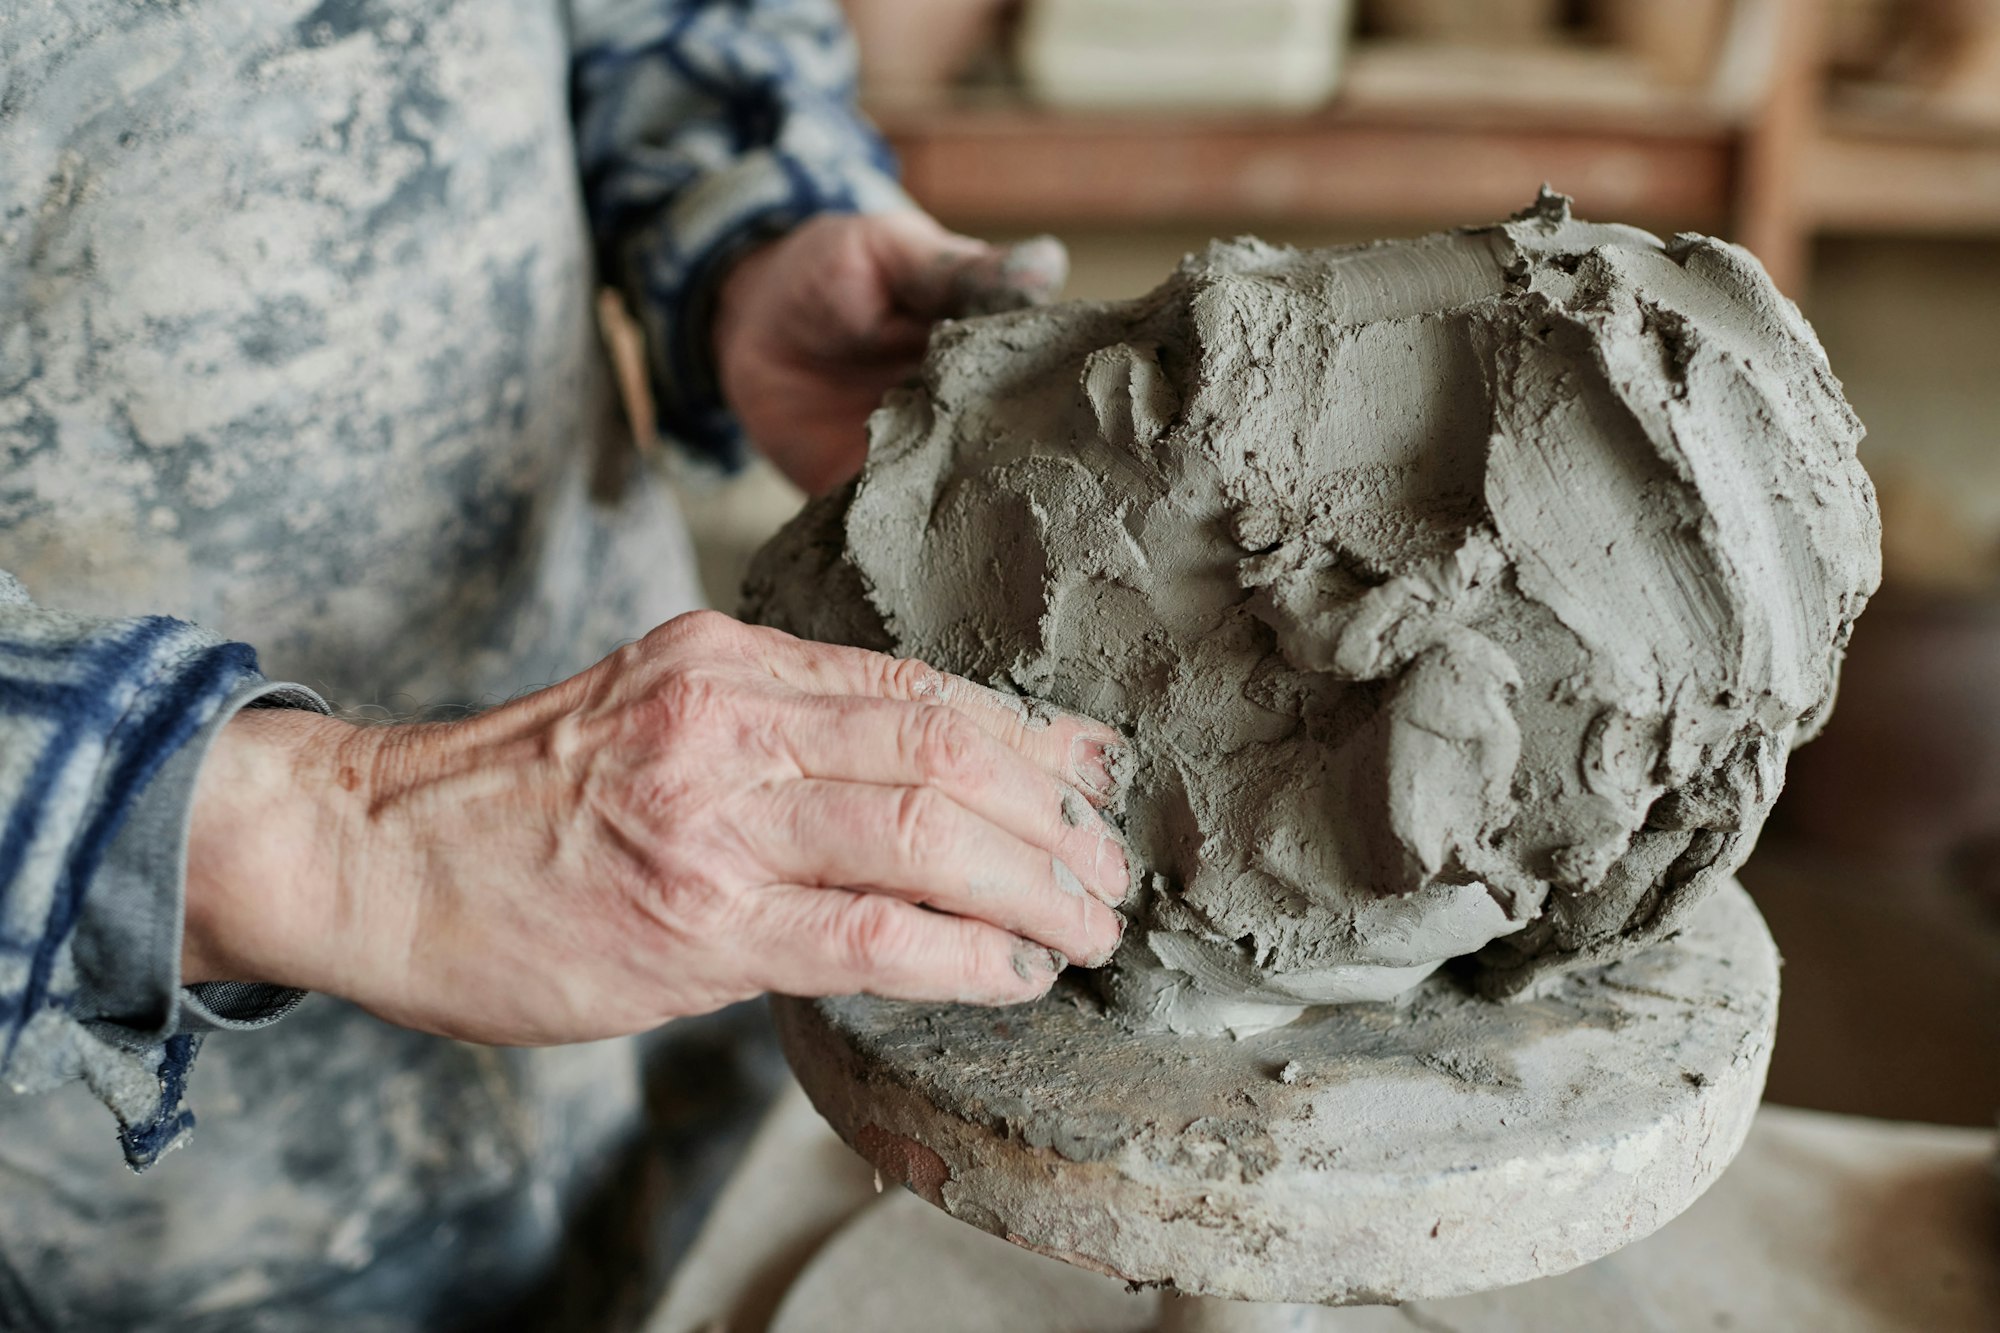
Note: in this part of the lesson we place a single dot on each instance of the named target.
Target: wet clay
(1462, 597)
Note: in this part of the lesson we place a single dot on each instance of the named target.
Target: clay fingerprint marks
(954, 566)
(984, 577)
(1599, 528)
(1093, 576)
(1131, 395)
(1452, 746)
(1775, 463)
(908, 453)
(1752, 492)
(998, 571)
(1399, 457)
(1714, 378)
(1732, 273)
(1381, 284)
(1433, 772)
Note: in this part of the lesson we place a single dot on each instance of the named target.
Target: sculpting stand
(1362, 1155)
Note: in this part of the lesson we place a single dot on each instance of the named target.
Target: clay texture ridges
(1463, 597)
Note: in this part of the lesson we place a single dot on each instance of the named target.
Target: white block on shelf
(1107, 54)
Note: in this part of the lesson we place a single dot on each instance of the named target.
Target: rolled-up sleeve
(705, 127)
(103, 724)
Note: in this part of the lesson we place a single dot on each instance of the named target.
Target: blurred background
(1853, 145)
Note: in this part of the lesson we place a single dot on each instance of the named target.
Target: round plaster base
(1366, 1154)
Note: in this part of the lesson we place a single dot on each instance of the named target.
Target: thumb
(935, 273)
(1029, 273)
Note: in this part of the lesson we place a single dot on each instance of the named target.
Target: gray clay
(1462, 597)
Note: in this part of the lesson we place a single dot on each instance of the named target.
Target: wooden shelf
(1431, 134)
(1015, 165)
(1433, 137)
(1905, 173)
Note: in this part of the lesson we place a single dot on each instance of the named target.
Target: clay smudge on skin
(1026, 273)
(978, 886)
(1077, 812)
(1032, 962)
(1032, 714)
(1098, 767)
(1460, 598)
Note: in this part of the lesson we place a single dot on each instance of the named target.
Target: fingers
(1030, 273)
(1085, 753)
(917, 844)
(897, 746)
(920, 260)
(831, 942)
(934, 273)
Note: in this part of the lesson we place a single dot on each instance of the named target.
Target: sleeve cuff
(678, 270)
(128, 942)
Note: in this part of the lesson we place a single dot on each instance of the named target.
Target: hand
(716, 811)
(812, 329)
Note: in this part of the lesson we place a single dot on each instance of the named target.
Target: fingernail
(1107, 883)
(1032, 962)
(1114, 868)
(1037, 267)
(1111, 860)
(991, 281)
(1094, 765)
(1099, 960)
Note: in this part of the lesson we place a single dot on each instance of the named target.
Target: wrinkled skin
(710, 813)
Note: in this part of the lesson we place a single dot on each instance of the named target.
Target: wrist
(732, 314)
(275, 803)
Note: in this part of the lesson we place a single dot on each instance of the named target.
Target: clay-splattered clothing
(297, 345)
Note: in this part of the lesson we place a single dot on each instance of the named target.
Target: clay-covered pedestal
(1362, 1154)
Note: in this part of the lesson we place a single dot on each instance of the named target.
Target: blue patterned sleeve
(90, 711)
(704, 127)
